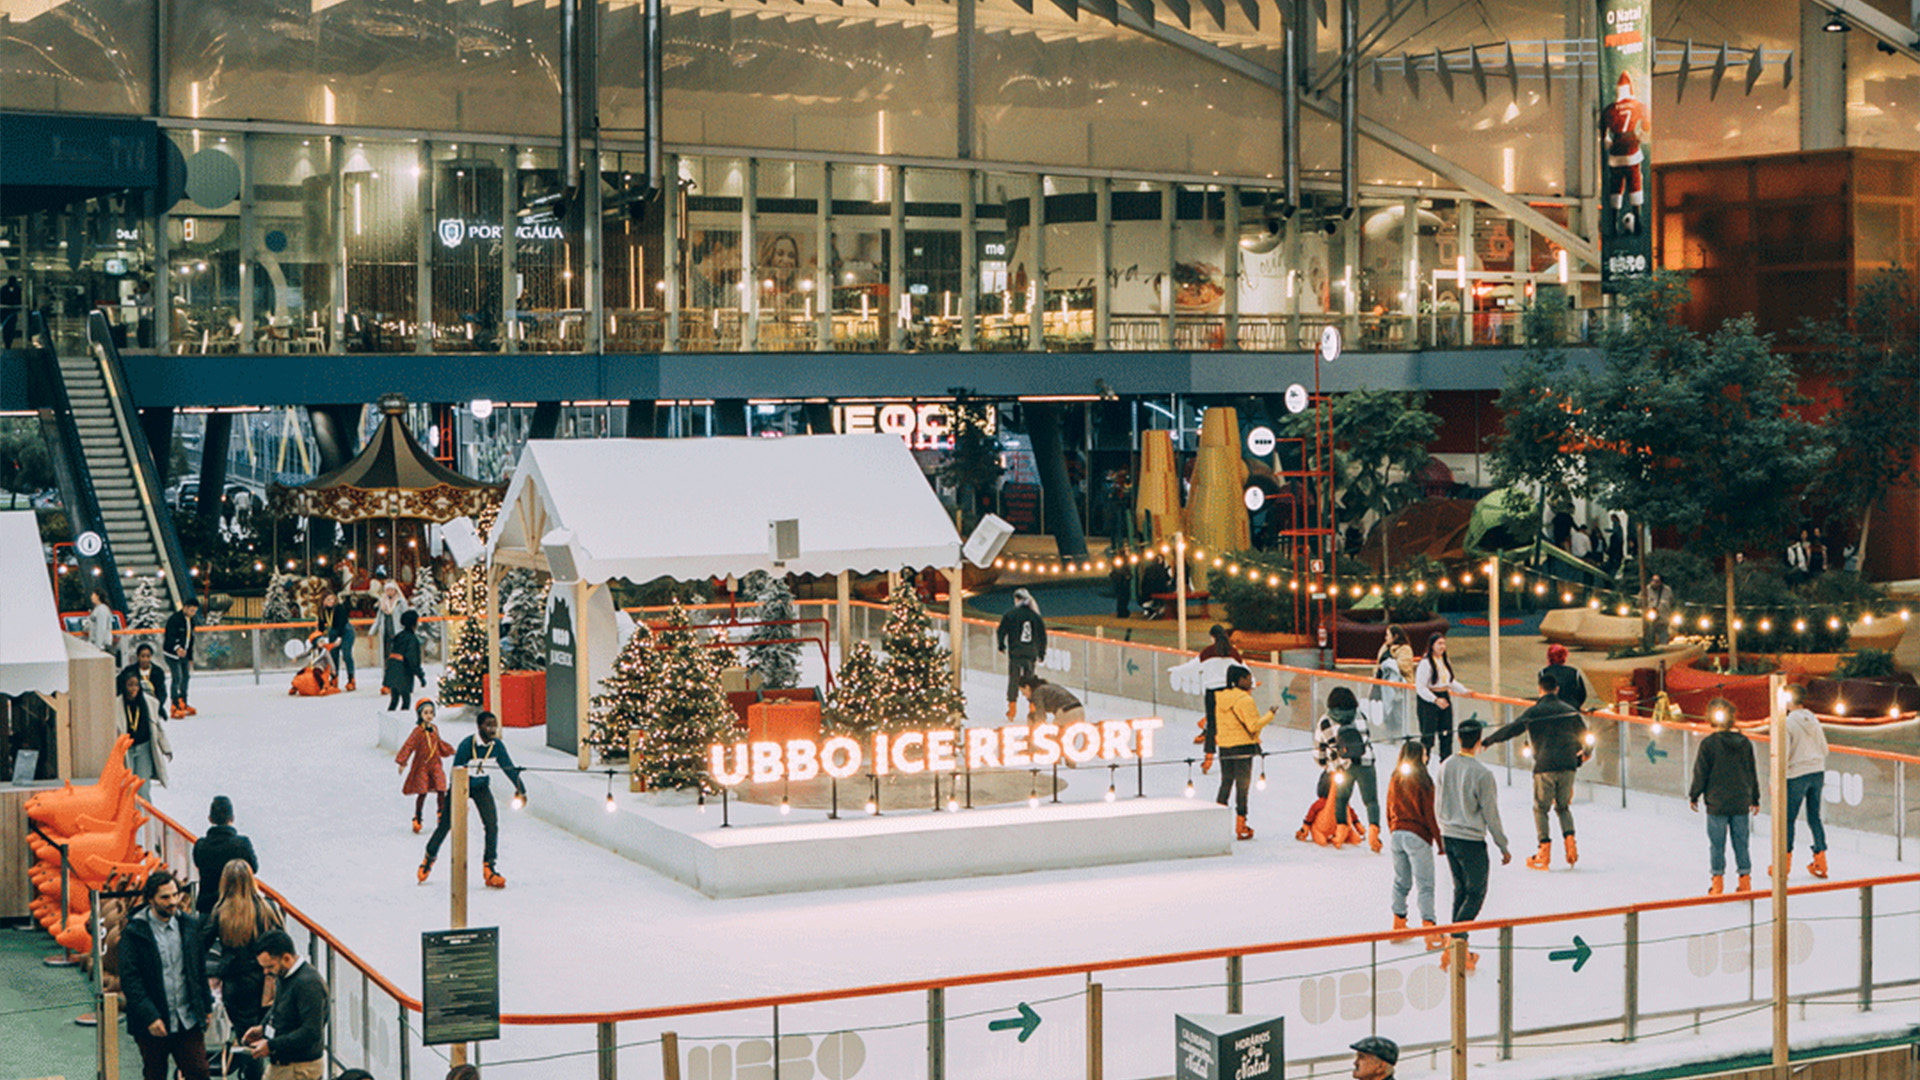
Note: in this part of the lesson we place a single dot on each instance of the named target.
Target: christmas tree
(279, 606)
(426, 601)
(916, 688)
(468, 594)
(776, 661)
(464, 681)
(147, 608)
(686, 710)
(853, 708)
(621, 704)
(523, 607)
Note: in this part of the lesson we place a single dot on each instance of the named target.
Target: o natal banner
(1626, 129)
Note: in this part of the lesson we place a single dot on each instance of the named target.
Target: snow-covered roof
(641, 509)
(33, 658)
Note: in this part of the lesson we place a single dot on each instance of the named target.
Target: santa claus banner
(1626, 132)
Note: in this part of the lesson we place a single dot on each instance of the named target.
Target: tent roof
(641, 509)
(392, 459)
(33, 658)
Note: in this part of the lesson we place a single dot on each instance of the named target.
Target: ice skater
(425, 748)
(1022, 635)
(1236, 733)
(1434, 687)
(1468, 806)
(1413, 834)
(403, 664)
(1806, 776)
(477, 752)
(1343, 743)
(1725, 775)
(1559, 743)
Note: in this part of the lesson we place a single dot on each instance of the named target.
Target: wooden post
(956, 629)
(1096, 1033)
(1457, 973)
(493, 641)
(457, 860)
(108, 1032)
(582, 683)
(670, 1055)
(843, 586)
(1493, 626)
(1777, 766)
(1180, 584)
(63, 733)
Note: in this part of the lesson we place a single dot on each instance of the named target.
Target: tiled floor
(37, 1007)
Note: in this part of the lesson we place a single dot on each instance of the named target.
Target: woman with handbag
(240, 917)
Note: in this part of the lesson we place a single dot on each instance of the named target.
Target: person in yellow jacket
(1235, 733)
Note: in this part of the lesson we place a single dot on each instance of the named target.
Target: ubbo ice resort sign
(942, 750)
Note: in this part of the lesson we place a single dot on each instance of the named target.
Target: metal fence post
(1096, 1037)
(1620, 751)
(1900, 818)
(406, 1051)
(254, 636)
(1236, 986)
(1631, 1004)
(1506, 993)
(609, 1050)
(1866, 946)
(366, 1022)
(333, 1060)
(937, 1033)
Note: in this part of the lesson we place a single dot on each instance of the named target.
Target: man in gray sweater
(1466, 801)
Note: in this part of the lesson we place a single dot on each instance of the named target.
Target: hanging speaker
(988, 538)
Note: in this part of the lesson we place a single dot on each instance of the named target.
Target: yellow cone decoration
(1158, 493)
(1216, 507)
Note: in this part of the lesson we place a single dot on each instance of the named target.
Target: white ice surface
(587, 930)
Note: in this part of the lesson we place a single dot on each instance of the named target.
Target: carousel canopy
(391, 477)
(641, 509)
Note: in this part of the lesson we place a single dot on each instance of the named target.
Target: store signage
(456, 231)
(1261, 441)
(129, 236)
(942, 750)
(1236, 1047)
(1296, 398)
(1626, 132)
(993, 249)
(924, 427)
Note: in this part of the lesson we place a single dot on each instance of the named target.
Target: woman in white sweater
(1434, 686)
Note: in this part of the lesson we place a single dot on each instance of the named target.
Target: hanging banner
(1626, 132)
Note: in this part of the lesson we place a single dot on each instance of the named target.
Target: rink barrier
(358, 1035)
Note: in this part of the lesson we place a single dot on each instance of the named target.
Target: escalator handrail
(83, 502)
(146, 474)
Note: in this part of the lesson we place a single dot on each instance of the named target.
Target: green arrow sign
(1579, 954)
(1287, 696)
(1654, 753)
(1132, 668)
(1025, 1023)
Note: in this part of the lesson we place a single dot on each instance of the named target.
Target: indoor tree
(1380, 440)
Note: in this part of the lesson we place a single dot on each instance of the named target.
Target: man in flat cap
(1374, 1058)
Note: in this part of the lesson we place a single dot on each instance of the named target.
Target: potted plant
(1868, 688)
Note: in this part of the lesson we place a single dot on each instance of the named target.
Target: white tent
(33, 651)
(641, 509)
(688, 509)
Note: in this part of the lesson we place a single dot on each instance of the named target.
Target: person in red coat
(425, 748)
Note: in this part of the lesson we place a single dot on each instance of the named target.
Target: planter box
(1864, 701)
(1607, 677)
(523, 698)
(1258, 646)
(1691, 688)
(1361, 641)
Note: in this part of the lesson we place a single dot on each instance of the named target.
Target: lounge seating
(1589, 628)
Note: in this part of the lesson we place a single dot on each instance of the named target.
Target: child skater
(425, 776)
(403, 663)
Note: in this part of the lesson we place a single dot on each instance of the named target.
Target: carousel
(386, 497)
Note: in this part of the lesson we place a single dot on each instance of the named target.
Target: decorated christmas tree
(686, 710)
(147, 607)
(916, 688)
(853, 707)
(523, 607)
(280, 605)
(468, 592)
(464, 681)
(426, 601)
(621, 704)
(776, 661)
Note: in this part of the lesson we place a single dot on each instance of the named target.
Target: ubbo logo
(452, 231)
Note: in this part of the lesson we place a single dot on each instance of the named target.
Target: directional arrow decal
(1132, 668)
(1287, 696)
(1579, 954)
(1025, 1023)
(1654, 753)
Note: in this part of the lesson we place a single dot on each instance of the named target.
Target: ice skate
(1717, 886)
(1746, 884)
(1241, 830)
(416, 826)
(426, 867)
(1399, 922)
(1818, 867)
(1373, 838)
(1433, 940)
(492, 877)
(1543, 858)
(1573, 850)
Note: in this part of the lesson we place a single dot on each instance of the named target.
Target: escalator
(107, 476)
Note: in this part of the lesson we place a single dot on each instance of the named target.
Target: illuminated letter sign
(941, 750)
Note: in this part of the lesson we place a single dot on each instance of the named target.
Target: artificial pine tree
(464, 681)
(777, 662)
(279, 607)
(147, 609)
(621, 704)
(916, 688)
(686, 710)
(523, 606)
(853, 708)
(426, 601)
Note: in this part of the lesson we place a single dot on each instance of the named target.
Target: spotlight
(1836, 24)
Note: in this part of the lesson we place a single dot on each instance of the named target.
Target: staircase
(108, 479)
